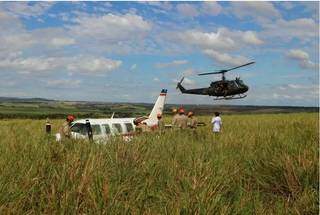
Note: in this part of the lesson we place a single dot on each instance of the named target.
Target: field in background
(37, 108)
(262, 164)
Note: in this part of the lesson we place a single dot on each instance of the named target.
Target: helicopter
(222, 89)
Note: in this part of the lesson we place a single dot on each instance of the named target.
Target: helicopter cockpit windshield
(240, 82)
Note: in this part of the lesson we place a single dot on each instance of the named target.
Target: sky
(129, 51)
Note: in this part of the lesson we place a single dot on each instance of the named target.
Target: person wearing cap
(65, 129)
(175, 115)
(141, 126)
(192, 120)
(181, 120)
(160, 122)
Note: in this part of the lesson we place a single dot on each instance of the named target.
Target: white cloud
(156, 79)
(302, 57)
(288, 87)
(77, 64)
(186, 81)
(63, 83)
(224, 39)
(163, 5)
(211, 8)
(258, 10)
(250, 37)
(117, 33)
(187, 10)
(217, 45)
(190, 10)
(303, 29)
(62, 41)
(288, 94)
(91, 64)
(297, 86)
(287, 5)
(171, 64)
(28, 65)
(188, 72)
(13, 36)
(111, 33)
(110, 28)
(207, 40)
(26, 9)
(224, 58)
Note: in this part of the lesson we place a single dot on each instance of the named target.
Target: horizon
(147, 103)
(124, 52)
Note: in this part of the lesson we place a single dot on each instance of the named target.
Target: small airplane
(222, 89)
(103, 129)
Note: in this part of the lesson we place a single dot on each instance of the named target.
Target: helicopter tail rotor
(180, 82)
(179, 85)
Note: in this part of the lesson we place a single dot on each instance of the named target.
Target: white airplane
(102, 129)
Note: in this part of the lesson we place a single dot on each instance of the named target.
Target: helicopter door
(218, 88)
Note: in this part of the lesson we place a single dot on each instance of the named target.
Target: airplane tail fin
(180, 87)
(158, 106)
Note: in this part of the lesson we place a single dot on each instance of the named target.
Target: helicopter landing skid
(230, 97)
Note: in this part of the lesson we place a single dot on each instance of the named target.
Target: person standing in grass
(65, 129)
(180, 121)
(175, 115)
(192, 120)
(160, 124)
(216, 123)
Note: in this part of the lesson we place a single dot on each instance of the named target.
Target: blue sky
(128, 51)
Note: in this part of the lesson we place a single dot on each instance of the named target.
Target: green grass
(260, 164)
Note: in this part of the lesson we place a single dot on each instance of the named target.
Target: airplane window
(129, 127)
(116, 127)
(106, 128)
(96, 130)
(79, 128)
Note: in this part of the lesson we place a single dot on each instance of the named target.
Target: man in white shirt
(216, 123)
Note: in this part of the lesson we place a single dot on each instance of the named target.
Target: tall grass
(262, 164)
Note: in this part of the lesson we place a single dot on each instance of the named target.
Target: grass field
(259, 164)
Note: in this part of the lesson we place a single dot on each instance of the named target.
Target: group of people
(182, 120)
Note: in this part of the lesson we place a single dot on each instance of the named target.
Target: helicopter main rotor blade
(210, 73)
(225, 70)
(239, 66)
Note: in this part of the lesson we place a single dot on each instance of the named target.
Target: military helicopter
(222, 89)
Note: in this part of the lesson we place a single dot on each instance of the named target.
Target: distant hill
(15, 99)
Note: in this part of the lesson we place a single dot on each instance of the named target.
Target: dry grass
(262, 164)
